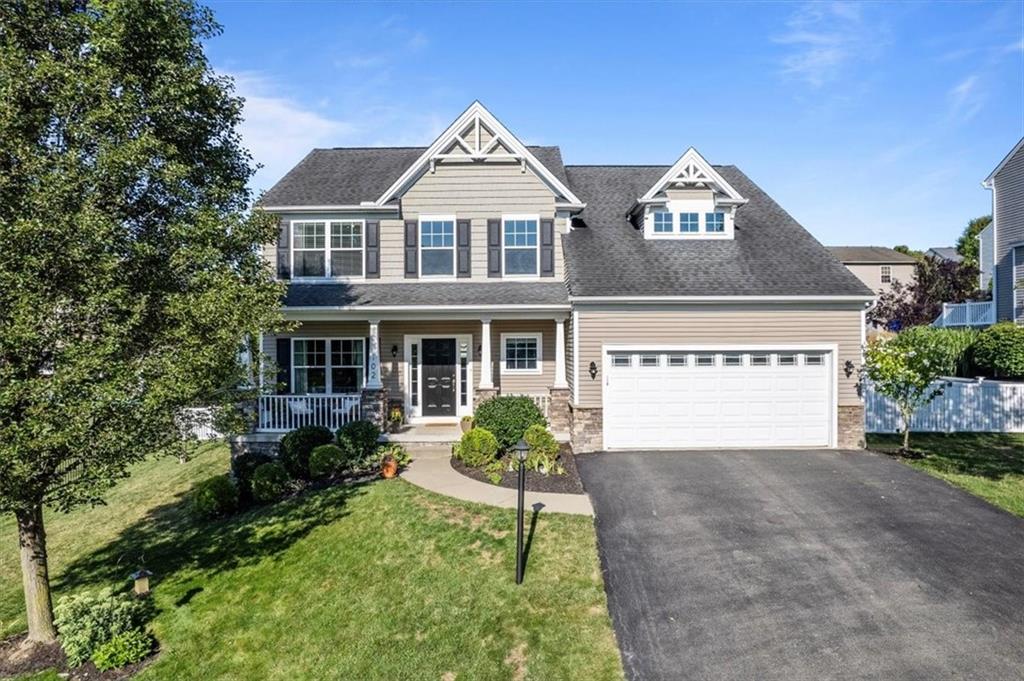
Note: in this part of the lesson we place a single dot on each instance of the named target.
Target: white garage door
(665, 399)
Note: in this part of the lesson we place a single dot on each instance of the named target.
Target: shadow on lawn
(988, 455)
(177, 545)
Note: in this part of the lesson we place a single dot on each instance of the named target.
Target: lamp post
(521, 449)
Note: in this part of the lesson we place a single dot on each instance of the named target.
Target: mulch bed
(535, 482)
(16, 661)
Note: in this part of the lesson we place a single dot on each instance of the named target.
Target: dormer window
(714, 222)
(689, 222)
(662, 222)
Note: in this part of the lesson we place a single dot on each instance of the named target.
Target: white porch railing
(281, 413)
(542, 400)
(965, 406)
(967, 314)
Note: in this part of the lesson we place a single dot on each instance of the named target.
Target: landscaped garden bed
(566, 483)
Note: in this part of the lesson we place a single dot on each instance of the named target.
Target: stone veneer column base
(482, 395)
(255, 443)
(374, 406)
(586, 429)
(559, 417)
(851, 427)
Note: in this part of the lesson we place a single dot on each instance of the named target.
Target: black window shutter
(283, 251)
(372, 269)
(547, 248)
(464, 241)
(494, 248)
(284, 365)
(412, 255)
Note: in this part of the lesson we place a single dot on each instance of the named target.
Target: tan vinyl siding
(871, 274)
(718, 326)
(524, 383)
(1009, 218)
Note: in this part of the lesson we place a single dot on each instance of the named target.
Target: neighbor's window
(308, 249)
(662, 221)
(714, 222)
(886, 274)
(437, 248)
(521, 354)
(309, 362)
(346, 249)
(346, 365)
(521, 252)
(689, 222)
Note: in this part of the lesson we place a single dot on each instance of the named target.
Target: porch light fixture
(521, 449)
(141, 579)
(394, 352)
(593, 370)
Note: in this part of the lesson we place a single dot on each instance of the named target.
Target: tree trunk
(35, 578)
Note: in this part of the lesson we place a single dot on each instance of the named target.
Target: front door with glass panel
(439, 380)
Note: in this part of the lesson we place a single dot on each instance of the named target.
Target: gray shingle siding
(1008, 185)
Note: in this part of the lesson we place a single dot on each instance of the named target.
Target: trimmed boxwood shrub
(87, 620)
(329, 460)
(242, 468)
(297, 445)
(215, 497)
(999, 350)
(123, 650)
(269, 482)
(359, 437)
(477, 448)
(508, 417)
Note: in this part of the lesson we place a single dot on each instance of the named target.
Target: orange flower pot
(389, 467)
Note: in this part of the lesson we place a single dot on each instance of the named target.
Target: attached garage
(710, 396)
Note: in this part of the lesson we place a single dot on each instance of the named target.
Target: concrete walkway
(430, 469)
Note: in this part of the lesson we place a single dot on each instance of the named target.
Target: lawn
(990, 465)
(378, 581)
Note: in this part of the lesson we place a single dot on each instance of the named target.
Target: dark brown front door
(439, 377)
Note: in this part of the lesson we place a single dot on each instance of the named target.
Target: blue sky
(872, 123)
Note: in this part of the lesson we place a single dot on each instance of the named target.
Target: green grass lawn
(990, 465)
(378, 581)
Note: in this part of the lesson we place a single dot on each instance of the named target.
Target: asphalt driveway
(804, 565)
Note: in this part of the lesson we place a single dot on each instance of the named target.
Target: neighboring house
(946, 253)
(641, 306)
(986, 256)
(878, 267)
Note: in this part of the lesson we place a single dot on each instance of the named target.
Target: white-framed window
(886, 274)
(714, 222)
(689, 222)
(437, 246)
(648, 360)
(814, 360)
(621, 360)
(328, 365)
(662, 221)
(759, 360)
(327, 248)
(705, 360)
(787, 360)
(521, 353)
(677, 360)
(732, 359)
(520, 245)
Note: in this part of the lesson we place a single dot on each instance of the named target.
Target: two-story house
(877, 266)
(642, 306)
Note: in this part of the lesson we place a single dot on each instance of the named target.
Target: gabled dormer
(690, 201)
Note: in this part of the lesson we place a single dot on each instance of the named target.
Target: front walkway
(430, 469)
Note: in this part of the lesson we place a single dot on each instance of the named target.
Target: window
(733, 360)
(759, 360)
(437, 247)
(787, 360)
(662, 221)
(309, 362)
(414, 371)
(714, 222)
(814, 360)
(705, 360)
(648, 360)
(315, 370)
(520, 354)
(677, 360)
(689, 222)
(308, 249)
(316, 255)
(521, 253)
(886, 274)
(463, 374)
(620, 360)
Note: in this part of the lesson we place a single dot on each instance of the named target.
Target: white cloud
(966, 98)
(824, 37)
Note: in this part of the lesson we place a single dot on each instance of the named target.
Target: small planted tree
(904, 368)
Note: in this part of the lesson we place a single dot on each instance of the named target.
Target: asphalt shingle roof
(436, 293)
(771, 253)
(946, 253)
(871, 255)
(349, 176)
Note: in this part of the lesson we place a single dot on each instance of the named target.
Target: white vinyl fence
(197, 424)
(966, 405)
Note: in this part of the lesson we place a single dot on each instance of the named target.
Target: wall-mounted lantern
(593, 370)
(394, 352)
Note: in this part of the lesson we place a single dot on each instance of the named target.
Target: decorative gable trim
(692, 171)
(478, 137)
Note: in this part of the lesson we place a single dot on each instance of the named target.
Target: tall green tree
(967, 244)
(129, 258)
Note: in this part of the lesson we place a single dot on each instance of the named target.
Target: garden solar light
(142, 581)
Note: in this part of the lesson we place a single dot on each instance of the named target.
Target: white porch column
(560, 381)
(373, 370)
(486, 382)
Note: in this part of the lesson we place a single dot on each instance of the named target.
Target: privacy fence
(966, 405)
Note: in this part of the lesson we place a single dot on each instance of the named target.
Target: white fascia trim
(422, 308)
(987, 182)
(718, 299)
(476, 109)
(374, 208)
(692, 155)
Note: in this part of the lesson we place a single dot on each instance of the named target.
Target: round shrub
(361, 437)
(123, 650)
(544, 450)
(328, 460)
(87, 620)
(508, 417)
(477, 448)
(269, 482)
(215, 497)
(297, 445)
(999, 350)
(242, 468)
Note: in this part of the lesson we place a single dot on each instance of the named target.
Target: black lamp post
(521, 450)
